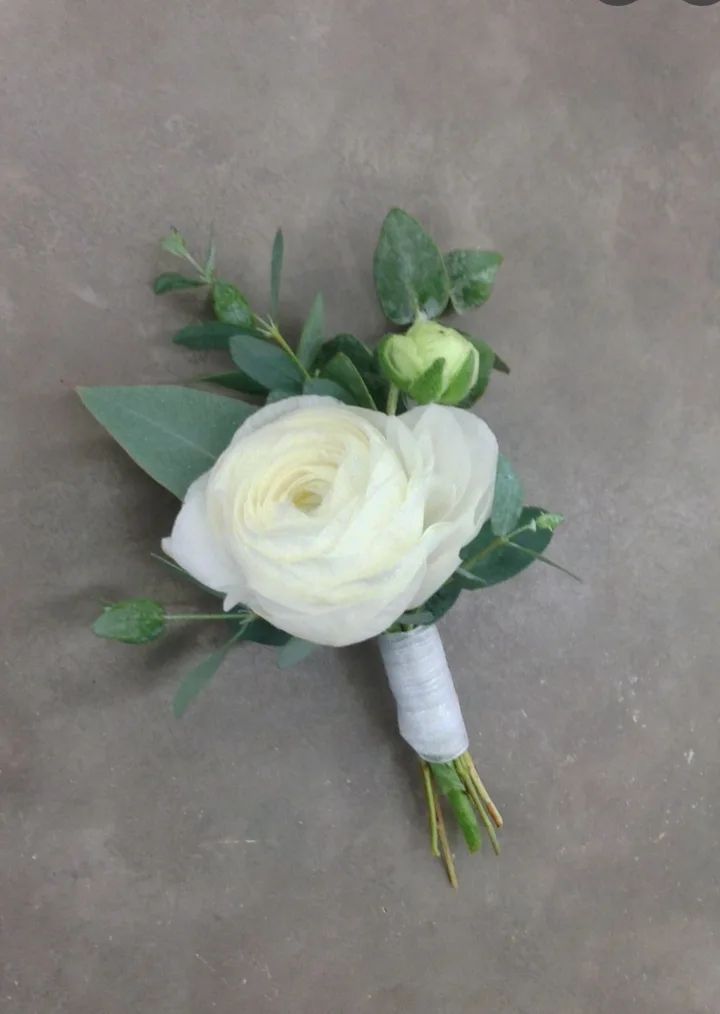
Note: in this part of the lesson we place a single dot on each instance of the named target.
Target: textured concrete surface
(267, 854)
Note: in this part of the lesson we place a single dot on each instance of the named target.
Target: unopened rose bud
(431, 363)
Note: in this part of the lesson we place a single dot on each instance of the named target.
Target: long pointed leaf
(199, 677)
(175, 434)
(313, 333)
(276, 262)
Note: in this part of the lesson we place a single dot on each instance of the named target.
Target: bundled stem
(467, 796)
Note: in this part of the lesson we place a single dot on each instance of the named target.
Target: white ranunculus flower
(330, 520)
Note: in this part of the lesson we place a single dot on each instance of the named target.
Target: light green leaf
(210, 256)
(230, 305)
(276, 262)
(508, 501)
(174, 433)
(174, 244)
(170, 281)
(327, 388)
(211, 335)
(313, 333)
(135, 621)
(235, 380)
(429, 385)
(450, 785)
(485, 367)
(343, 372)
(265, 363)
(472, 274)
(295, 651)
(410, 274)
(198, 678)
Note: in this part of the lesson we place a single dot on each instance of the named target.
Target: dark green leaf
(508, 501)
(500, 365)
(429, 385)
(265, 363)
(198, 677)
(174, 433)
(276, 262)
(230, 305)
(490, 559)
(415, 618)
(236, 380)
(443, 599)
(313, 333)
(410, 274)
(262, 632)
(328, 388)
(213, 334)
(295, 651)
(279, 394)
(343, 372)
(135, 621)
(472, 273)
(171, 280)
(358, 353)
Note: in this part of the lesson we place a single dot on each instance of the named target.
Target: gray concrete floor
(267, 854)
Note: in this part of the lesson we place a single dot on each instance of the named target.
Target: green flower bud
(431, 363)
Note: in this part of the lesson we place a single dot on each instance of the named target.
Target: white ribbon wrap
(429, 713)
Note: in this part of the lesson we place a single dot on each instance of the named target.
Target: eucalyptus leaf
(279, 394)
(327, 388)
(261, 631)
(490, 558)
(175, 434)
(443, 599)
(313, 333)
(230, 306)
(295, 651)
(357, 352)
(235, 380)
(472, 274)
(276, 262)
(134, 621)
(409, 270)
(170, 281)
(198, 678)
(508, 500)
(343, 372)
(211, 335)
(265, 363)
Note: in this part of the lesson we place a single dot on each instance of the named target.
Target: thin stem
(204, 616)
(444, 845)
(392, 400)
(484, 794)
(274, 333)
(427, 781)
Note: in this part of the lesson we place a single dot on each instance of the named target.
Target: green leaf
(358, 353)
(279, 394)
(328, 388)
(343, 372)
(443, 599)
(508, 501)
(429, 385)
(450, 785)
(265, 363)
(170, 281)
(313, 333)
(261, 631)
(198, 678)
(230, 305)
(174, 244)
(235, 380)
(213, 334)
(135, 621)
(410, 274)
(500, 365)
(472, 274)
(210, 256)
(414, 618)
(174, 433)
(490, 559)
(295, 651)
(276, 262)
